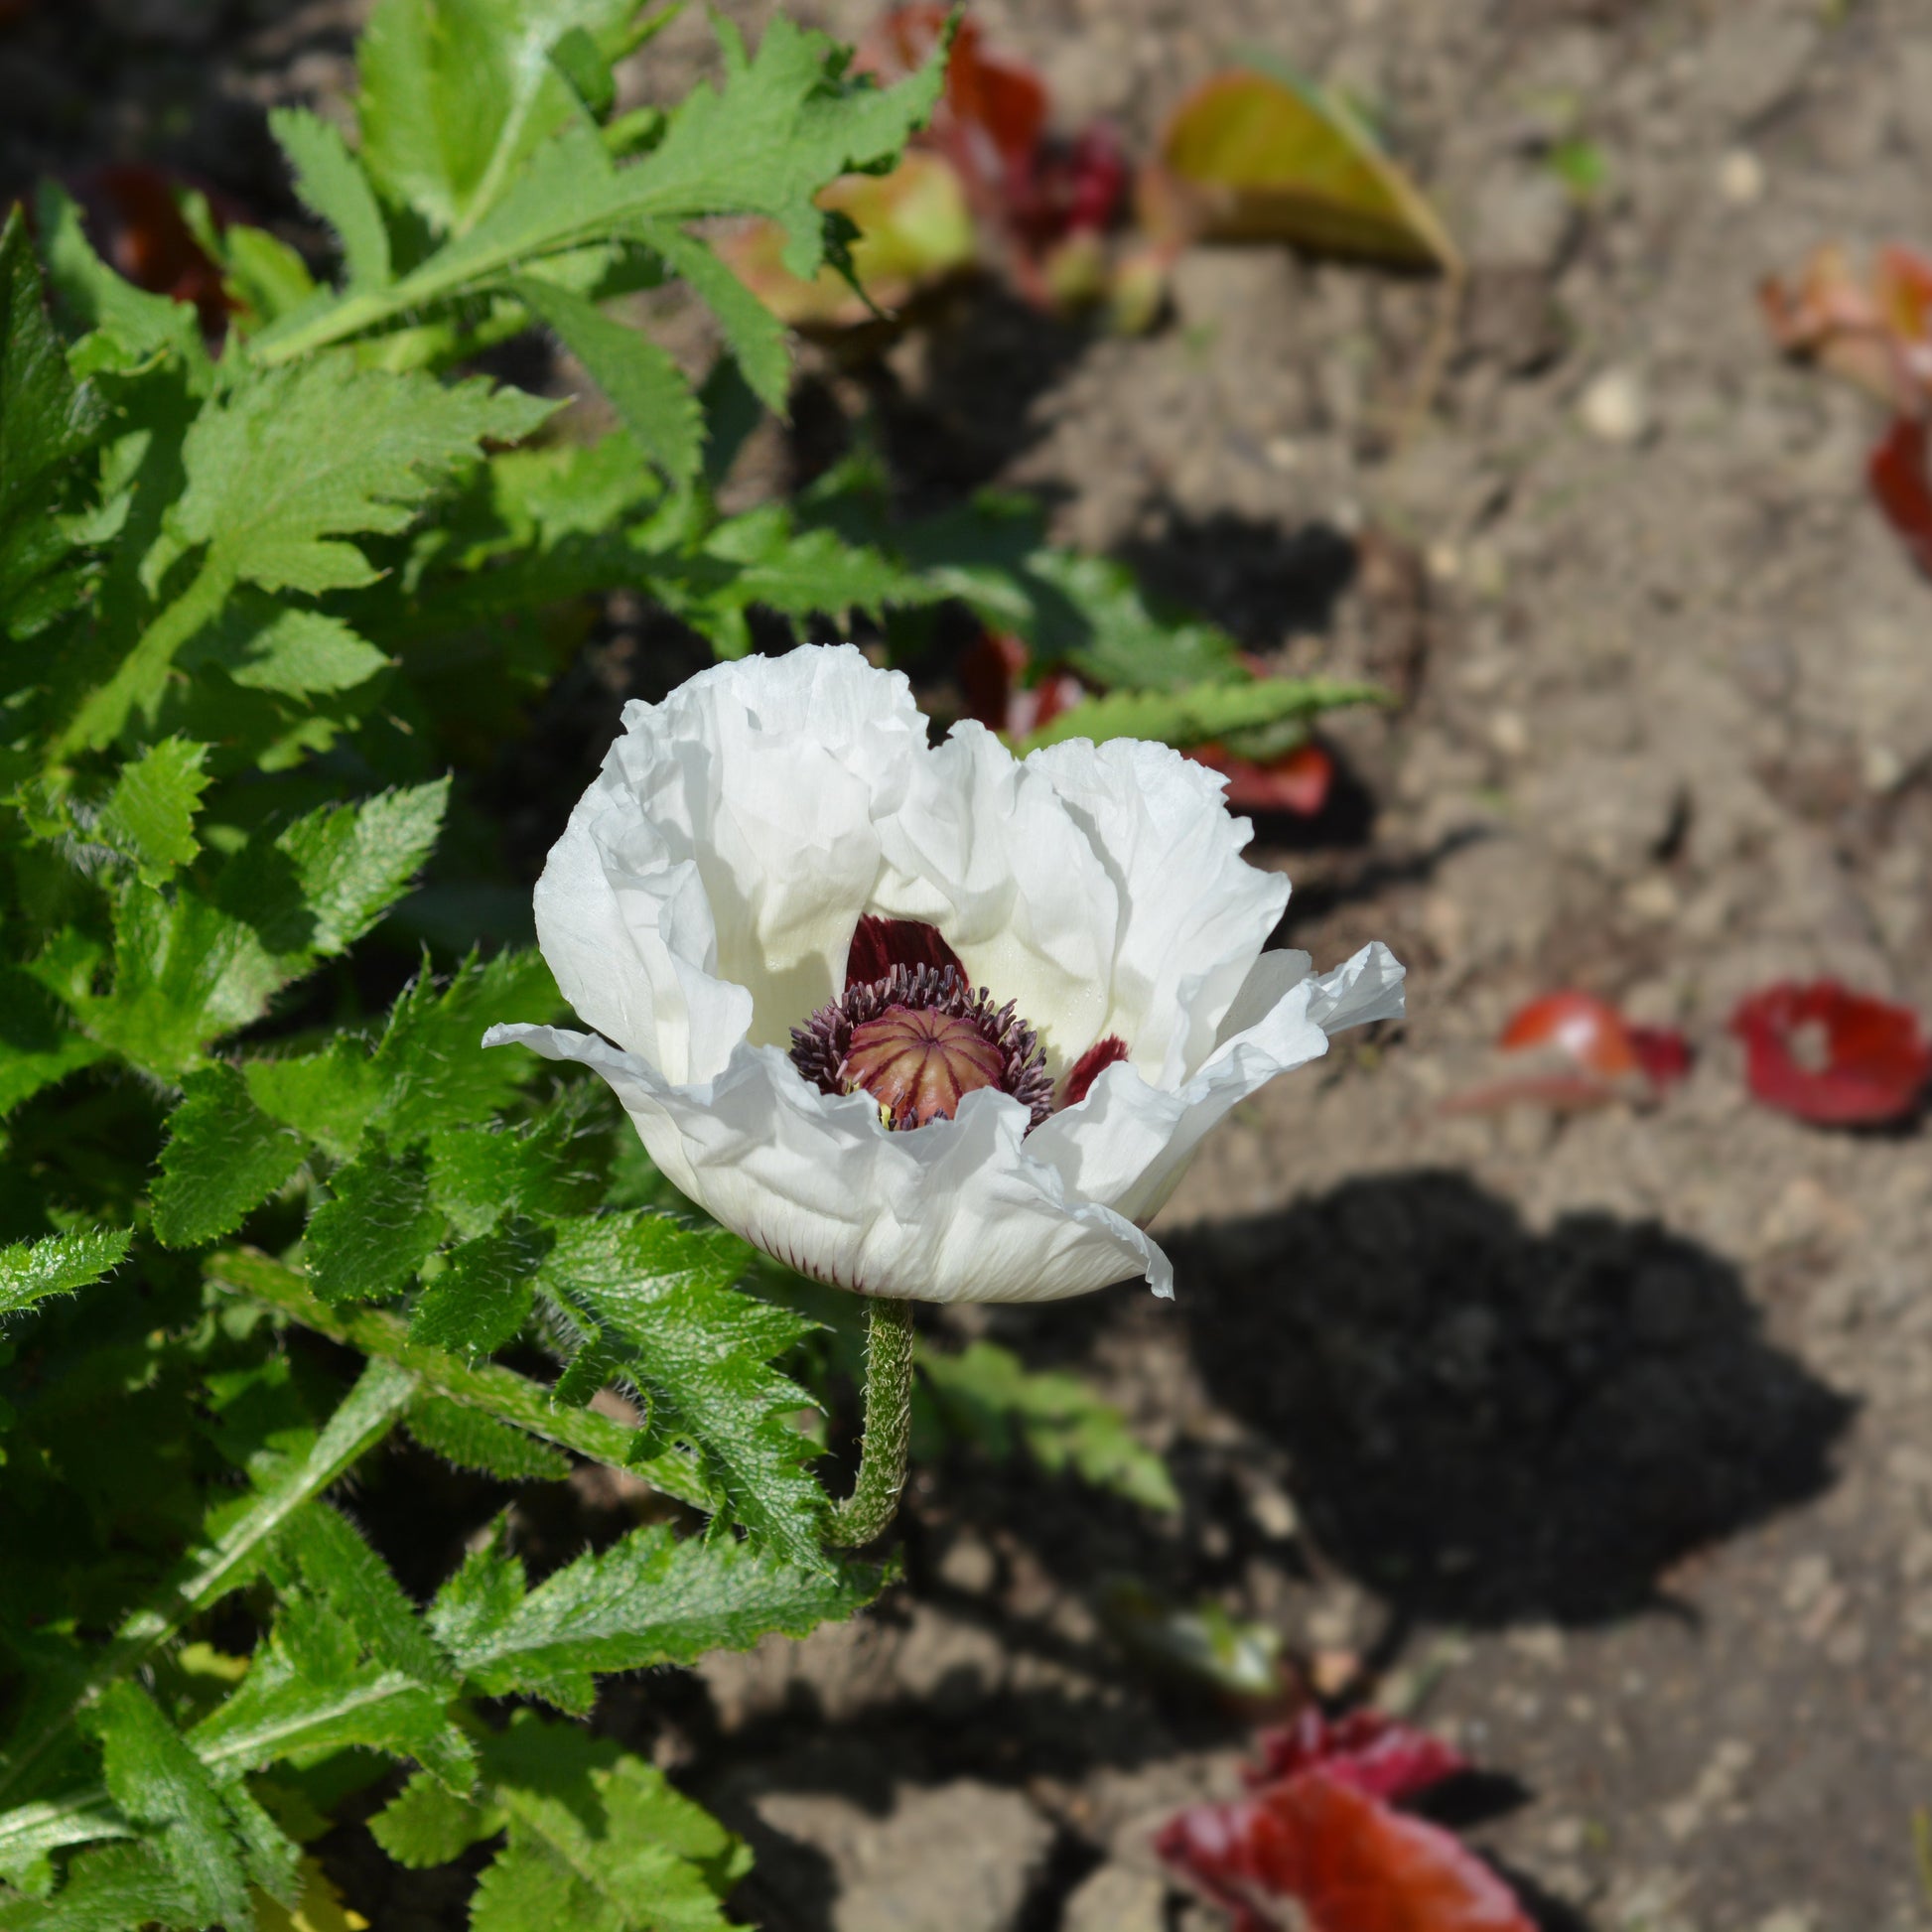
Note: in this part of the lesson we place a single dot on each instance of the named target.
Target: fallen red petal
(1350, 1863)
(1832, 1056)
(1591, 1031)
(1662, 1052)
(1297, 784)
(1897, 475)
(881, 944)
(1368, 1749)
(1089, 1067)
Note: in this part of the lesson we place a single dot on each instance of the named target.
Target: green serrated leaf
(474, 1440)
(366, 1243)
(137, 324)
(329, 182)
(457, 97)
(159, 1783)
(150, 813)
(641, 382)
(329, 1096)
(427, 1824)
(38, 1042)
(107, 1890)
(225, 1156)
(659, 1296)
(650, 1600)
(31, 1271)
(598, 1839)
(264, 645)
(281, 471)
(484, 1297)
(1206, 711)
(754, 335)
(479, 1173)
(988, 1394)
(192, 967)
(47, 420)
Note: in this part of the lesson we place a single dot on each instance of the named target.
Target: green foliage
(31, 1271)
(987, 1396)
(268, 612)
(1201, 712)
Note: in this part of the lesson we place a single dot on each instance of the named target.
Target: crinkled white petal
(957, 1212)
(727, 847)
(1129, 1142)
(702, 901)
(1192, 913)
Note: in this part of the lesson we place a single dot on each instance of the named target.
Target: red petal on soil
(1591, 1031)
(1297, 784)
(1662, 1052)
(1870, 1061)
(1896, 470)
(1372, 1752)
(1350, 1863)
(1089, 1067)
(881, 944)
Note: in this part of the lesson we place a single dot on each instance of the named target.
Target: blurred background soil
(1601, 1443)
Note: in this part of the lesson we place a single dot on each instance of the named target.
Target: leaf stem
(367, 1413)
(888, 1427)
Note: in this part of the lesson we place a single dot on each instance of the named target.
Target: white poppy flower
(1056, 986)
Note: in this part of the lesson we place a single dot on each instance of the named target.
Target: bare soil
(1601, 1443)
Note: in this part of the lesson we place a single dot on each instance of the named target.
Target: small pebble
(1615, 408)
(1740, 178)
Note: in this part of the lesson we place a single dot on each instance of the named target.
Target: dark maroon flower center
(916, 1036)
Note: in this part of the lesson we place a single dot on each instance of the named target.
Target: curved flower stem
(888, 1427)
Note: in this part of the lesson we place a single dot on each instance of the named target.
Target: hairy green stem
(888, 1427)
(367, 1413)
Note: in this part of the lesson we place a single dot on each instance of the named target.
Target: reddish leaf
(1367, 1749)
(1897, 469)
(1297, 784)
(1343, 1856)
(1832, 1056)
(1879, 336)
(989, 678)
(1591, 1031)
(881, 944)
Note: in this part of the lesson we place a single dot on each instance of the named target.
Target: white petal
(1128, 1142)
(957, 1212)
(1193, 914)
(986, 850)
(726, 850)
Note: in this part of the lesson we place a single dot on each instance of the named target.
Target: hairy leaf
(150, 813)
(31, 1271)
(329, 182)
(542, 1168)
(426, 1824)
(268, 646)
(192, 967)
(484, 1297)
(366, 1243)
(160, 1783)
(651, 1599)
(643, 385)
(224, 1157)
(598, 1839)
(474, 1440)
(659, 1297)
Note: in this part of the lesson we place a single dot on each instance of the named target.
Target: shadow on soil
(1488, 1424)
